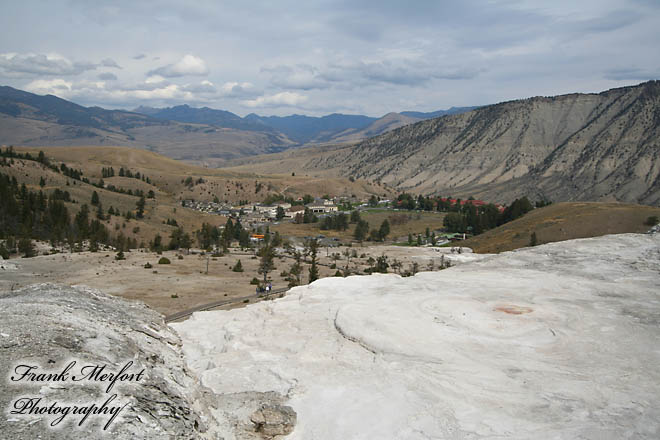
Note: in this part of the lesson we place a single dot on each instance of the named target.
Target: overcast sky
(319, 57)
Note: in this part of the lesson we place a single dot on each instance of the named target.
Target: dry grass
(564, 221)
(184, 283)
(227, 184)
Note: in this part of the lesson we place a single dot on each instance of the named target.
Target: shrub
(238, 267)
(180, 257)
(254, 281)
(652, 220)
(120, 256)
(533, 241)
(148, 266)
(4, 252)
(174, 295)
(164, 260)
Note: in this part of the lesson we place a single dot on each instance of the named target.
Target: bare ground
(185, 278)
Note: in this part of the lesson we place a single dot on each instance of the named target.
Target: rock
(272, 420)
(48, 326)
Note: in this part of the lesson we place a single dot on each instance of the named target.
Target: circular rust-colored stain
(514, 310)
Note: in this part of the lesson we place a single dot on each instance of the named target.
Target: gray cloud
(300, 77)
(403, 72)
(631, 73)
(109, 62)
(323, 56)
(108, 76)
(39, 64)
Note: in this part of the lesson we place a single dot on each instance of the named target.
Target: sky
(318, 57)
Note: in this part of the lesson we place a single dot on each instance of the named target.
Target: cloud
(49, 87)
(188, 65)
(139, 56)
(40, 64)
(109, 62)
(352, 74)
(155, 90)
(632, 74)
(108, 76)
(301, 77)
(283, 99)
(241, 90)
(608, 23)
(205, 87)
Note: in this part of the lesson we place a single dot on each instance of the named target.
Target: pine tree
(361, 230)
(313, 246)
(140, 208)
(266, 264)
(280, 213)
(26, 247)
(384, 230)
(533, 241)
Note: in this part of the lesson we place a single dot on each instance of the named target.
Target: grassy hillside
(564, 221)
(167, 179)
(230, 185)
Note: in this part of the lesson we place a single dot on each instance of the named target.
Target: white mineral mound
(560, 341)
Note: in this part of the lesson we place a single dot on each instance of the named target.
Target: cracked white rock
(556, 341)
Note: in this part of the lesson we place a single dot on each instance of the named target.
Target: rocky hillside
(573, 147)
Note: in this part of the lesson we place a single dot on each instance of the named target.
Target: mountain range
(33, 120)
(603, 146)
(302, 129)
(599, 146)
(202, 135)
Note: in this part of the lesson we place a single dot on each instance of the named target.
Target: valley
(447, 229)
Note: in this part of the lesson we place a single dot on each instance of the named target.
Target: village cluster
(256, 213)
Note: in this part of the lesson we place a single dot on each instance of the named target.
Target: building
(293, 211)
(322, 206)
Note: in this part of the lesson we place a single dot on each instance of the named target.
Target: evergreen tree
(26, 247)
(156, 245)
(361, 230)
(280, 213)
(533, 241)
(296, 270)
(384, 230)
(140, 208)
(313, 246)
(266, 265)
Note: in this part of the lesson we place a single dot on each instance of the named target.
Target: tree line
(26, 215)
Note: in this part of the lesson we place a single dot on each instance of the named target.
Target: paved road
(214, 304)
